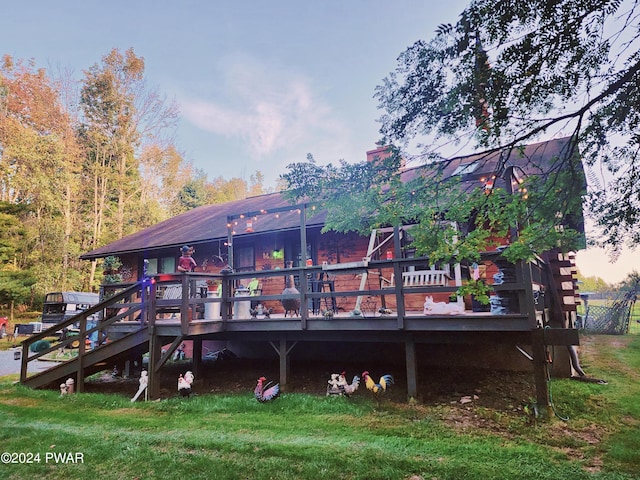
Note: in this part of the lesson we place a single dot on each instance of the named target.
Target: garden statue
(144, 380)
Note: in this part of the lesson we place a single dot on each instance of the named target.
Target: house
(366, 291)
(266, 228)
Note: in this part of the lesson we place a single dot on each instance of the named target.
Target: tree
(592, 284)
(454, 220)
(39, 168)
(631, 283)
(16, 279)
(512, 71)
(192, 194)
(120, 114)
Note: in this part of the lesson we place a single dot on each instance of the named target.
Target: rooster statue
(381, 386)
(184, 384)
(266, 393)
(348, 388)
(338, 385)
(333, 385)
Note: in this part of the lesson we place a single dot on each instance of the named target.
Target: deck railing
(184, 296)
(88, 331)
(333, 290)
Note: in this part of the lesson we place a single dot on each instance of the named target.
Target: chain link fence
(615, 313)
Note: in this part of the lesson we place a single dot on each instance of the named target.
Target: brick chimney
(380, 153)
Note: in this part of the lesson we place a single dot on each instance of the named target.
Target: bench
(172, 292)
(422, 278)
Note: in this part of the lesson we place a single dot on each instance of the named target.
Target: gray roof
(209, 222)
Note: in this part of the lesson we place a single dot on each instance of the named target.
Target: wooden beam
(397, 272)
(155, 346)
(283, 353)
(185, 312)
(412, 375)
(197, 357)
(561, 336)
(304, 288)
(539, 354)
(167, 355)
(82, 348)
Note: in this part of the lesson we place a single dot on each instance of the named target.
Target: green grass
(302, 436)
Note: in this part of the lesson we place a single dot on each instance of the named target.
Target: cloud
(268, 107)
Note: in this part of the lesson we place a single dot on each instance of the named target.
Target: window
(244, 259)
(167, 265)
(161, 265)
(465, 169)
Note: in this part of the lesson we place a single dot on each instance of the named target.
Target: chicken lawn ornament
(266, 393)
(184, 384)
(338, 385)
(333, 385)
(381, 386)
(144, 381)
(348, 388)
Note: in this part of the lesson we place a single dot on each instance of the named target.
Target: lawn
(300, 436)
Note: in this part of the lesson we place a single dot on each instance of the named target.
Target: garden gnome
(144, 380)
(69, 384)
(63, 389)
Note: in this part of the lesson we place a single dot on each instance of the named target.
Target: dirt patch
(456, 387)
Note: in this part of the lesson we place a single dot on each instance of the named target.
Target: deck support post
(82, 348)
(397, 272)
(283, 353)
(284, 364)
(197, 358)
(540, 370)
(155, 353)
(185, 311)
(412, 370)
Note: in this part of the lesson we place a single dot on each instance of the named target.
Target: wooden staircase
(91, 360)
(134, 344)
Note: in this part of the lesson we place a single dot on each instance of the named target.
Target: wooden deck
(134, 321)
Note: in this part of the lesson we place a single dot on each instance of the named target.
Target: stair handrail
(84, 332)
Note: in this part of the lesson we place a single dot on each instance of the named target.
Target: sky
(259, 85)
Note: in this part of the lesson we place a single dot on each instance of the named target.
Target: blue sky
(259, 84)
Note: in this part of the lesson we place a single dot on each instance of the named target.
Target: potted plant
(213, 285)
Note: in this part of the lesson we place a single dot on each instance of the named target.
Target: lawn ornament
(441, 308)
(70, 385)
(266, 393)
(144, 381)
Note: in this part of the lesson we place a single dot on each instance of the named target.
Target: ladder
(371, 249)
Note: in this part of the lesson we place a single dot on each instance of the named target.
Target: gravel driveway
(9, 365)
